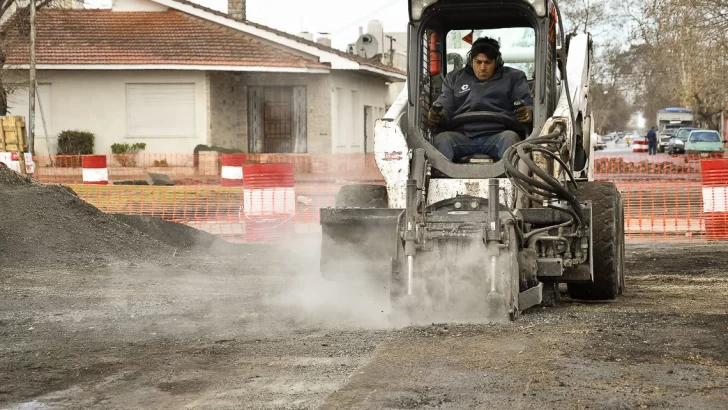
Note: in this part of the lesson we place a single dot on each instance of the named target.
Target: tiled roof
(106, 37)
(301, 40)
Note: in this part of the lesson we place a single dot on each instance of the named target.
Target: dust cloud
(309, 299)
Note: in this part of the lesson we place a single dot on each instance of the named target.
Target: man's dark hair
(484, 45)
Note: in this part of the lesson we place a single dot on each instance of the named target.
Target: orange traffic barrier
(94, 170)
(640, 146)
(231, 171)
(715, 197)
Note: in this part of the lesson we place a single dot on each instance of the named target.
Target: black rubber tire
(362, 196)
(607, 241)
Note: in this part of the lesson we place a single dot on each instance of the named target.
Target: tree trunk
(3, 100)
(3, 86)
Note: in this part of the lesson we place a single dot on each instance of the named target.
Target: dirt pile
(49, 224)
(179, 236)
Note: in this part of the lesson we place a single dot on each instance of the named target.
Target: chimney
(236, 9)
(324, 39)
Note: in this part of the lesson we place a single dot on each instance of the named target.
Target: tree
(15, 24)
(687, 43)
(610, 101)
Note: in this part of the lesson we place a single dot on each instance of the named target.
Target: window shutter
(256, 101)
(160, 110)
(299, 120)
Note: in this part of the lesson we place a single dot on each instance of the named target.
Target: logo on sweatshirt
(465, 88)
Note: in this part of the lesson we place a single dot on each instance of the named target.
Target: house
(174, 74)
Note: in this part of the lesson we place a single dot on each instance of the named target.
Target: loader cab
(440, 33)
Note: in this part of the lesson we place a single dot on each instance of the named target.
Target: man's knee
(442, 138)
(509, 138)
(446, 138)
(446, 142)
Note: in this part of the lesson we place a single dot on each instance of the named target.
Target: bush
(71, 145)
(73, 142)
(161, 163)
(125, 154)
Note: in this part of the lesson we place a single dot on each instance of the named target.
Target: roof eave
(190, 67)
(394, 77)
(333, 59)
(336, 61)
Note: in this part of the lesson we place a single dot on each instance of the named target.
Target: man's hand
(524, 114)
(434, 117)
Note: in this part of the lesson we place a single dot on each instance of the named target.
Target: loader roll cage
(424, 88)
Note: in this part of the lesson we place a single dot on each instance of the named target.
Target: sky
(341, 18)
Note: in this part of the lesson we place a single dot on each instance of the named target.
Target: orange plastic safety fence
(664, 197)
(662, 210)
(205, 167)
(237, 214)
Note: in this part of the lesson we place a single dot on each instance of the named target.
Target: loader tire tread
(362, 196)
(607, 240)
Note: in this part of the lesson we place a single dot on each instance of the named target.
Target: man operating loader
(484, 84)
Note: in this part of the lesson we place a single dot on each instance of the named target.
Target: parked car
(601, 144)
(703, 144)
(676, 145)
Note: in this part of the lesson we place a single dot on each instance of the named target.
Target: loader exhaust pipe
(493, 232)
(410, 232)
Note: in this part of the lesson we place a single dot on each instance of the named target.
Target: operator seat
(476, 159)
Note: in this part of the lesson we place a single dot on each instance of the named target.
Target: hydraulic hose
(548, 187)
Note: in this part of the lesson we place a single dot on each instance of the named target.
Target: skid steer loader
(476, 239)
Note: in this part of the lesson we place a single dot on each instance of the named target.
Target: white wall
(351, 92)
(96, 101)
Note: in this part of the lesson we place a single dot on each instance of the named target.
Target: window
(277, 119)
(518, 47)
(704, 136)
(160, 110)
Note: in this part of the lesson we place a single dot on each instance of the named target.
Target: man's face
(483, 66)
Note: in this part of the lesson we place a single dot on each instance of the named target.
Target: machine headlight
(417, 7)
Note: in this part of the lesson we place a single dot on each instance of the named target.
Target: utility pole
(391, 50)
(31, 91)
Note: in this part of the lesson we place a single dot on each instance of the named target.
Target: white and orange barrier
(94, 170)
(231, 171)
(640, 146)
(12, 160)
(715, 197)
(269, 201)
(269, 190)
